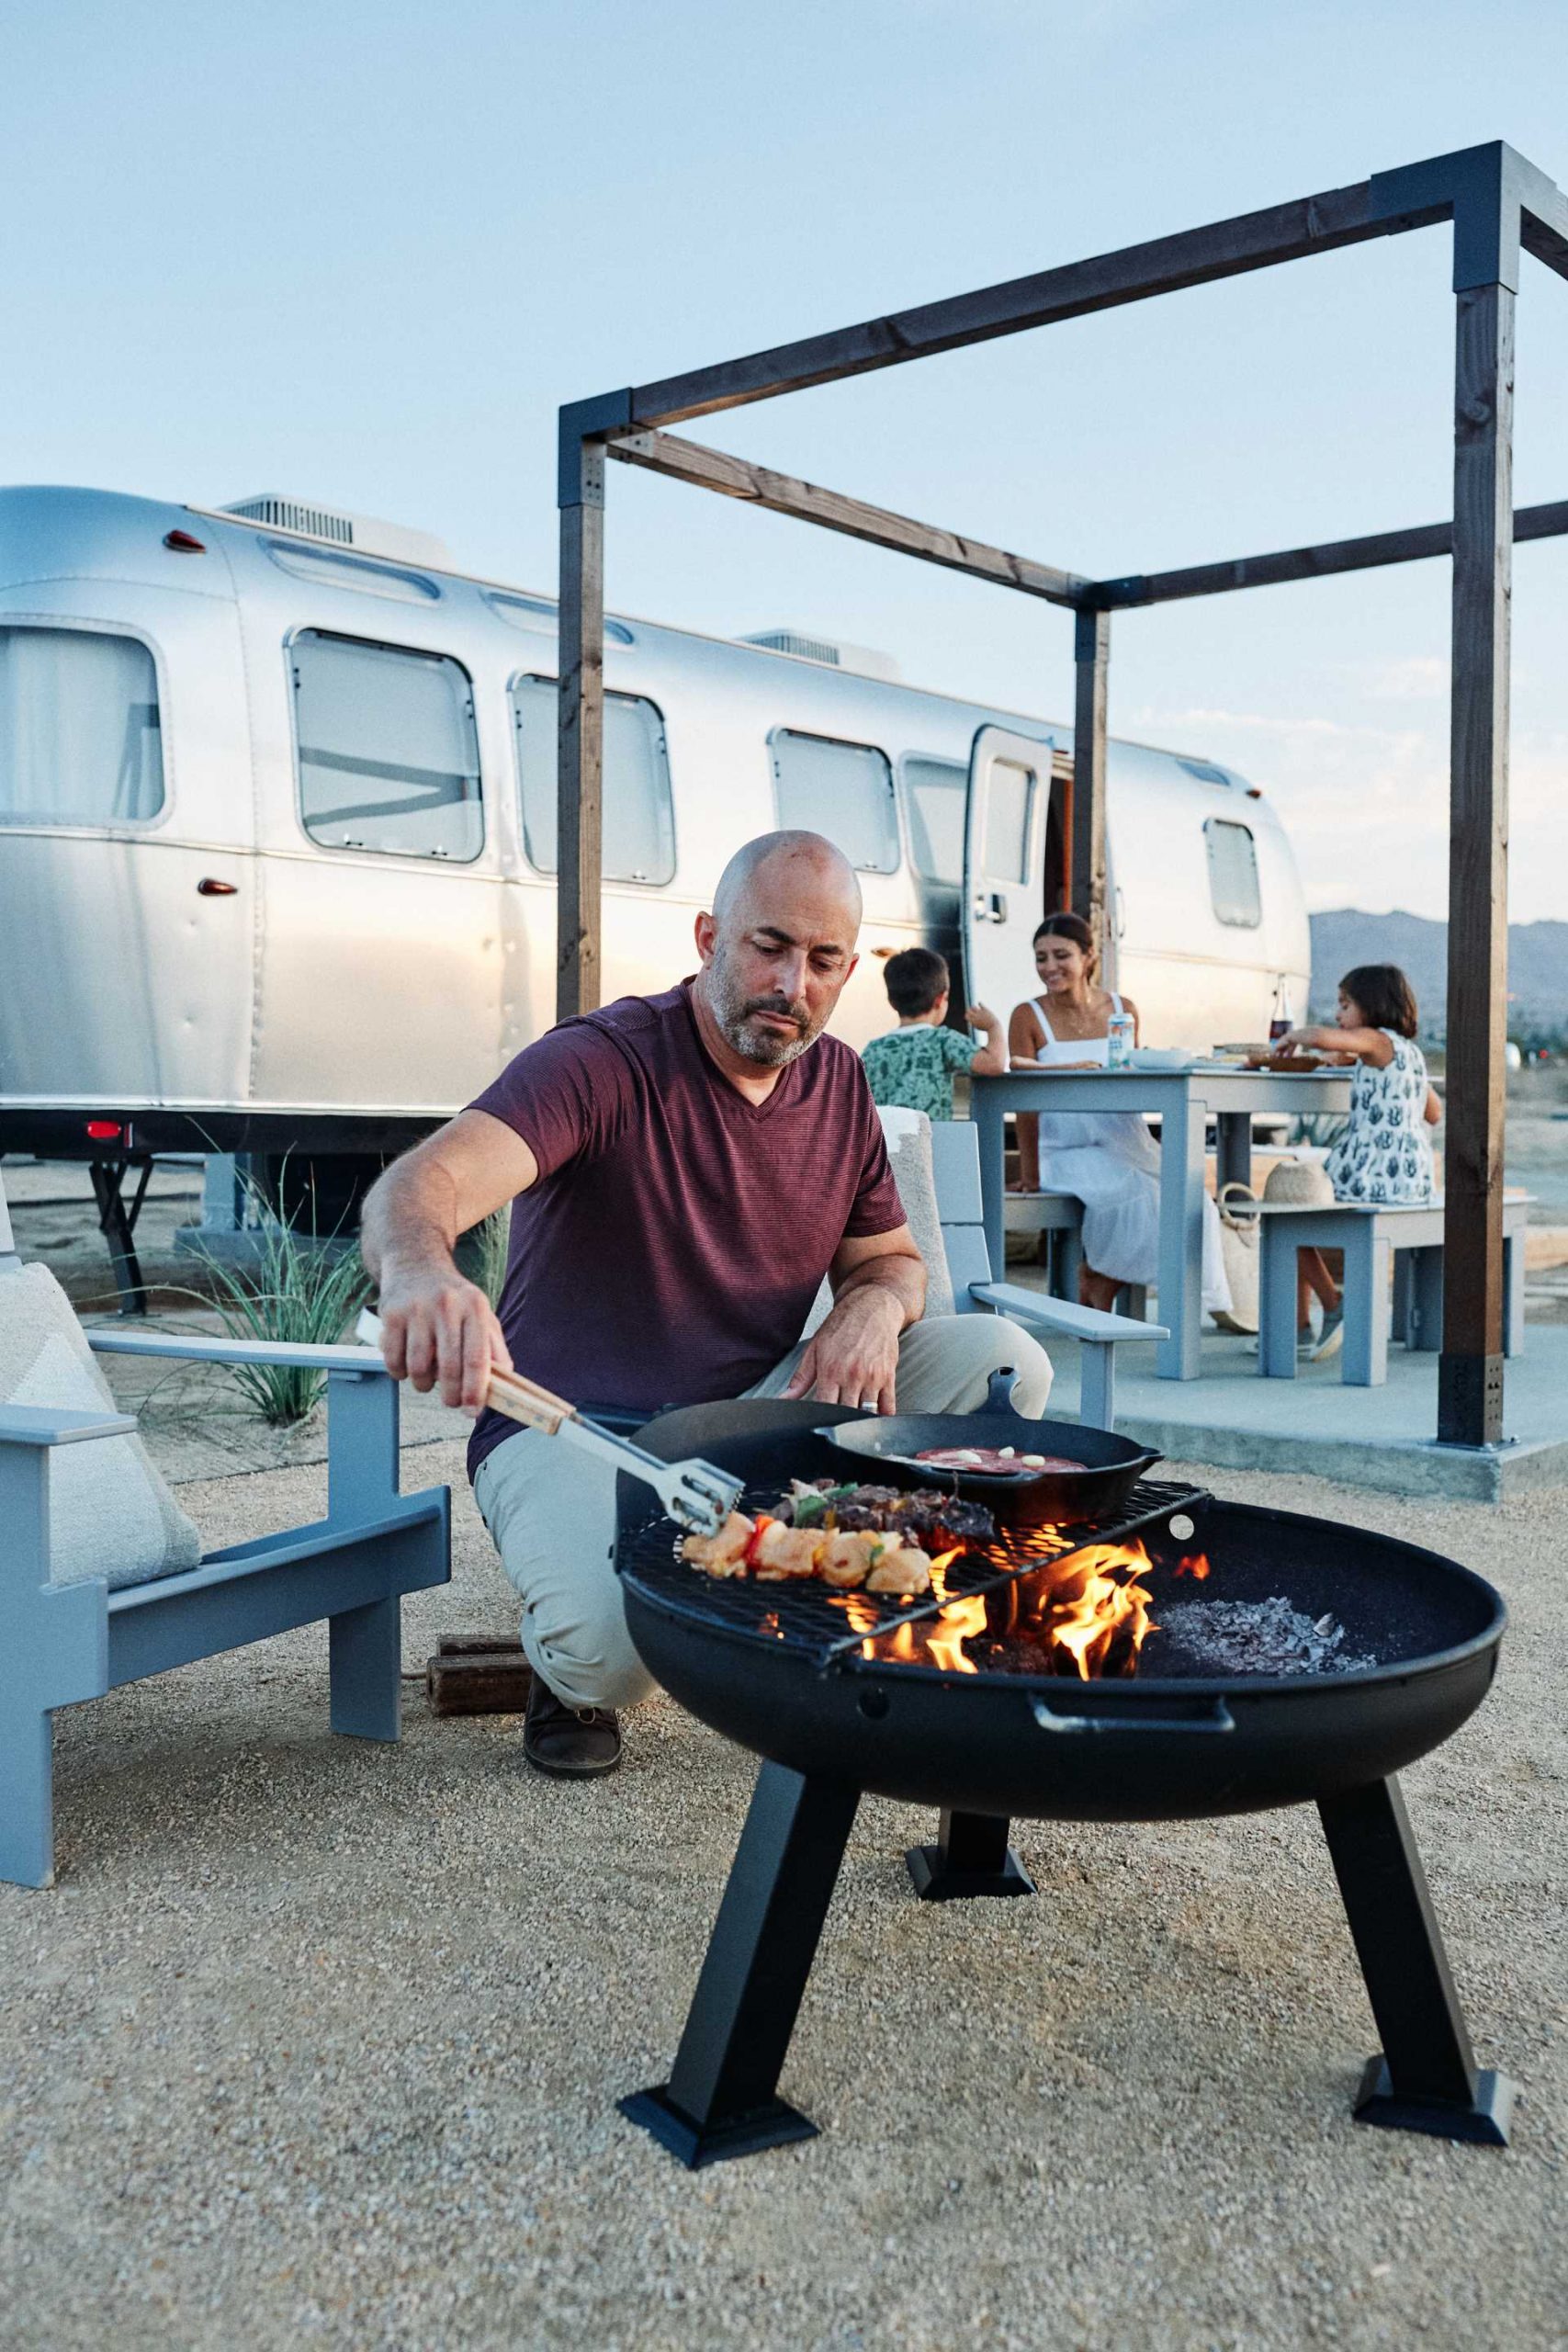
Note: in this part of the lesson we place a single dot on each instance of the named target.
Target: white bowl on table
(1161, 1057)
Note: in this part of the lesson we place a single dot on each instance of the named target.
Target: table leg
(1277, 1300)
(1181, 1236)
(987, 1114)
(1427, 1280)
(1403, 1295)
(1233, 1158)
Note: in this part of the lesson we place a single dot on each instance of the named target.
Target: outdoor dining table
(1184, 1101)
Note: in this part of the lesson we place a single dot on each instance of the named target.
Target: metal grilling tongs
(695, 1493)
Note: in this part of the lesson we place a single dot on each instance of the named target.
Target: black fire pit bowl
(1172, 1741)
(882, 1449)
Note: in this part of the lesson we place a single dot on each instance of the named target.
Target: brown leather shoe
(574, 1743)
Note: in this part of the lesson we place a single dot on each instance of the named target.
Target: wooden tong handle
(509, 1393)
(523, 1400)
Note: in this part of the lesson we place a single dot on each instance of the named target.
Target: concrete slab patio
(1377, 1438)
(317, 2043)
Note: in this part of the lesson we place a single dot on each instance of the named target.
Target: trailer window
(1233, 874)
(79, 742)
(638, 820)
(935, 800)
(1010, 818)
(841, 790)
(388, 751)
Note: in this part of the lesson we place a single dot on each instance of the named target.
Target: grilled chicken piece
(783, 1552)
(846, 1560)
(723, 1554)
(901, 1569)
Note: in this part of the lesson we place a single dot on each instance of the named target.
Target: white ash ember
(1254, 1638)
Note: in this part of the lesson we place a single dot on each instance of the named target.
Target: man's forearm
(409, 1222)
(903, 1279)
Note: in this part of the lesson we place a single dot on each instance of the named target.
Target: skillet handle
(998, 1395)
(1219, 1718)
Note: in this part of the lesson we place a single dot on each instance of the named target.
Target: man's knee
(584, 1670)
(1008, 1345)
(952, 1362)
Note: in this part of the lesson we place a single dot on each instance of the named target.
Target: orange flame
(1196, 1564)
(1090, 1608)
(1095, 1599)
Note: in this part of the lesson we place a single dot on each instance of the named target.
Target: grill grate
(826, 1625)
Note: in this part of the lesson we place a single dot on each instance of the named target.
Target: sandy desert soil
(319, 2044)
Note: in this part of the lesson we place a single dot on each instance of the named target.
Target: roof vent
(363, 533)
(1205, 772)
(861, 659)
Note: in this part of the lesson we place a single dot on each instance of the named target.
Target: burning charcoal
(1255, 1637)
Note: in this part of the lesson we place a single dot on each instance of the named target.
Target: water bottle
(1118, 1041)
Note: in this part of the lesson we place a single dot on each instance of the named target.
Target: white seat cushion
(111, 1515)
(908, 1138)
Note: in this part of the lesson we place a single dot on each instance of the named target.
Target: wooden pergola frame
(1497, 202)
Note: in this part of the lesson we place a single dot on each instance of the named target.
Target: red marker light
(183, 544)
(104, 1130)
(210, 887)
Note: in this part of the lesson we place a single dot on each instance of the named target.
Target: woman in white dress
(1107, 1160)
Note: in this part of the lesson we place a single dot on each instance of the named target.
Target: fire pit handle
(1218, 1718)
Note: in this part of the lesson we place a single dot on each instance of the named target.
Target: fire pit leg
(972, 1857)
(1424, 2078)
(722, 2096)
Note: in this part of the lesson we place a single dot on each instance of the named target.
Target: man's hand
(438, 1329)
(435, 1326)
(853, 1359)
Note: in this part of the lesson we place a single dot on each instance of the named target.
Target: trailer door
(1004, 864)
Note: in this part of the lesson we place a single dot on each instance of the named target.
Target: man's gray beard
(734, 1010)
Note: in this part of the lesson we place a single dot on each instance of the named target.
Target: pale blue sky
(360, 252)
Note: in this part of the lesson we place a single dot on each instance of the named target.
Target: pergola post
(1470, 1378)
(580, 734)
(1091, 660)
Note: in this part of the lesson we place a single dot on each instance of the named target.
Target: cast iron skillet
(1111, 1465)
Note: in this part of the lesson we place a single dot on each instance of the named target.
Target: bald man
(683, 1170)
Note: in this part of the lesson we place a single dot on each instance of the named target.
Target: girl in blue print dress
(1384, 1154)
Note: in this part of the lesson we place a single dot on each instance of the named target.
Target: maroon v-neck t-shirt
(672, 1248)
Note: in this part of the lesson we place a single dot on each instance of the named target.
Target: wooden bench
(1371, 1236)
(1059, 1216)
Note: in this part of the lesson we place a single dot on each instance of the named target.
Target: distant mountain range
(1537, 967)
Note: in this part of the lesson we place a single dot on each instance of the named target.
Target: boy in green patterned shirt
(912, 1066)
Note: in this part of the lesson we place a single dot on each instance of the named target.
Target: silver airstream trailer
(277, 828)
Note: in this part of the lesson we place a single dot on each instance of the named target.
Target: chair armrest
(1062, 1314)
(46, 1425)
(105, 1342)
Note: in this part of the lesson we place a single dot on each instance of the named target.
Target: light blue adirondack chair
(60, 1644)
(955, 1168)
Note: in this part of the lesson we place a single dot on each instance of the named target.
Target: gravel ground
(319, 2044)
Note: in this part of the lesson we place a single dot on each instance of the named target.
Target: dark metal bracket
(722, 2097)
(972, 1857)
(118, 1225)
(1425, 2077)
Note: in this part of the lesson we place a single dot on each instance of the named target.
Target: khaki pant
(552, 1513)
